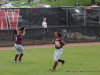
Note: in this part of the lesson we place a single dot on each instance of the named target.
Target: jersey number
(15, 38)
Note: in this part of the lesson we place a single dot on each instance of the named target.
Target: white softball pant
(57, 54)
(19, 49)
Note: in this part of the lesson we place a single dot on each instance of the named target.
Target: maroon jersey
(60, 41)
(18, 39)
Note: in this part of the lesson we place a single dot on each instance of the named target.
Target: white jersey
(64, 32)
(44, 24)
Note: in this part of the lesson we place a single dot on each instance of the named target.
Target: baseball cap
(55, 33)
(17, 29)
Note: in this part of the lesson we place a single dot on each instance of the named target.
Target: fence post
(84, 21)
(75, 33)
(99, 22)
(99, 15)
(66, 16)
(99, 33)
(84, 16)
(29, 17)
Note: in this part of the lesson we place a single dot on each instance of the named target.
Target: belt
(57, 48)
(18, 44)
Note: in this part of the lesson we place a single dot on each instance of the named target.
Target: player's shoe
(20, 61)
(15, 61)
(63, 63)
(53, 68)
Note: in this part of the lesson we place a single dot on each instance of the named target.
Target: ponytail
(14, 33)
(59, 34)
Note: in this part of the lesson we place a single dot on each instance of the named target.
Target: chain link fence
(82, 24)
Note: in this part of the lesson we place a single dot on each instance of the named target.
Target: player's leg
(55, 60)
(22, 52)
(65, 38)
(17, 54)
(44, 39)
(46, 31)
(55, 57)
(62, 61)
(44, 35)
(59, 54)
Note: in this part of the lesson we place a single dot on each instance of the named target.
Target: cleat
(15, 61)
(20, 61)
(63, 63)
(53, 69)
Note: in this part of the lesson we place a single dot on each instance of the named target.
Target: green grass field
(56, 3)
(38, 61)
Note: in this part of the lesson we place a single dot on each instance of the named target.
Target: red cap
(17, 29)
(55, 33)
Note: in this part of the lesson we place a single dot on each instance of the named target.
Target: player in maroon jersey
(58, 50)
(18, 44)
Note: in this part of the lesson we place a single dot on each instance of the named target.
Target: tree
(92, 2)
(28, 1)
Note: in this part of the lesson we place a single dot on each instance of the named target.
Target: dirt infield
(51, 45)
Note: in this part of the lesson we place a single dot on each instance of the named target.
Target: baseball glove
(22, 28)
(57, 43)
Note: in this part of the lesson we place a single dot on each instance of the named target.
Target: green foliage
(38, 61)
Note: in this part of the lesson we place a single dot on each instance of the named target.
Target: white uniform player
(64, 34)
(44, 25)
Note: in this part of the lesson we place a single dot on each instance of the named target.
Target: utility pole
(92, 2)
(29, 1)
(7, 1)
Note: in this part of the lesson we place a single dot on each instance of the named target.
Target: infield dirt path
(51, 45)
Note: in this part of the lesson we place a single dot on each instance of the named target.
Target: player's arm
(63, 43)
(43, 25)
(23, 32)
(66, 32)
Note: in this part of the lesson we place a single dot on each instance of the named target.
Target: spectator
(64, 34)
(44, 26)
